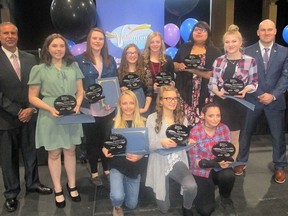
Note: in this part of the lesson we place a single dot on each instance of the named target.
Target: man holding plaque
(211, 136)
(236, 74)
(17, 120)
(272, 62)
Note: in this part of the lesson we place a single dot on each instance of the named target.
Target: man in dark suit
(272, 64)
(17, 128)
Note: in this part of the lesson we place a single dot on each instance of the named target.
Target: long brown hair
(104, 51)
(124, 65)
(46, 57)
(178, 113)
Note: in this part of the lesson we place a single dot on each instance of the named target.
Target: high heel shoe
(73, 198)
(59, 204)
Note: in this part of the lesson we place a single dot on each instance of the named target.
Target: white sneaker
(118, 211)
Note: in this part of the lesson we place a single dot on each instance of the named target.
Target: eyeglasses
(131, 53)
(170, 99)
(201, 30)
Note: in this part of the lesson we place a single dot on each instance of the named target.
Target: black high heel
(60, 204)
(75, 198)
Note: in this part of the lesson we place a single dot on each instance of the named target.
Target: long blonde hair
(138, 120)
(146, 51)
(178, 113)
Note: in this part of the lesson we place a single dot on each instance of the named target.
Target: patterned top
(245, 70)
(203, 147)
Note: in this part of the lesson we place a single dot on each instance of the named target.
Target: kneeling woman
(174, 165)
(202, 162)
(125, 170)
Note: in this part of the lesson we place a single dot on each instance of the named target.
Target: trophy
(192, 61)
(116, 144)
(65, 104)
(223, 151)
(163, 78)
(233, 86)
(132, 81)
(94, 93)
(178, 133)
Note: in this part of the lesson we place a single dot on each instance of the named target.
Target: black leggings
(96, 134)
(205, 200)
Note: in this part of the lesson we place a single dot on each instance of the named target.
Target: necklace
(233, 61)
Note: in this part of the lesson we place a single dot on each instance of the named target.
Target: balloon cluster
(172, 34)
(171, 31)
(76, 49)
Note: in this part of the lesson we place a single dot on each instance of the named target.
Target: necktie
(16, 65)
(266, 57)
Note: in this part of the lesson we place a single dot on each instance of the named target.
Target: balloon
(171, 51)
(186, 28)
(78, 49)
(171, 34)
(70, 43)
(180, 7)
(285, 34)
(74, 18)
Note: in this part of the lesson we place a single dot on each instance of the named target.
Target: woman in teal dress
(57, 75)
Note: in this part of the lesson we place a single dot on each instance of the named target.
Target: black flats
(59, 204)
(73, 198)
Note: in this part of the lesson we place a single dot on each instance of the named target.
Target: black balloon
(180, 7)
(73, 18)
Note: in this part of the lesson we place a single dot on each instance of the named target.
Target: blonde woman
(125, 171)
(234, 64)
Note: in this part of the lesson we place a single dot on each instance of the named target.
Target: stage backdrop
(126, 21)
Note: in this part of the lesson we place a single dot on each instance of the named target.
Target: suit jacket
(274, 80)
(13, 92)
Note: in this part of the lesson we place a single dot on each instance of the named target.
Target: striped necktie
(16, 65)
(266, 57)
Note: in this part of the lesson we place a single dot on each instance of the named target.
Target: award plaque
(94, 93)
(116, 144)
(132, 81)
(65, 104)
(192, 61)
(223, 151)
(178, 133)
(163, 78)
(233, 86)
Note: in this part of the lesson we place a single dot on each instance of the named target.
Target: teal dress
(55, 82)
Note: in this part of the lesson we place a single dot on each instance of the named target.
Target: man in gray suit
(272, 63)
(17, 129)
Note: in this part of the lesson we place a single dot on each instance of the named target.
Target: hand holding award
(65, 104)
(224, 151)
(178, 133)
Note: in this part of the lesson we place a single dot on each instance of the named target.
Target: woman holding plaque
(233, 66)
(158, 63)
(95, 64)
(174, 165)
(193, 66)
(133, 76)
(58, 75)
(125, 171)
(205, 135)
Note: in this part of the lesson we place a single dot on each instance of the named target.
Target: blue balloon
(171, 51)
(285, 34)
(70, 43)
(186, 28)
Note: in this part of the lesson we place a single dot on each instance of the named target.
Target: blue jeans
(124, 189)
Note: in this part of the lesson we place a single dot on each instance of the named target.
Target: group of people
(194, 97)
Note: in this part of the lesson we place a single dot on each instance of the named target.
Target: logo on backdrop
(129, 33)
